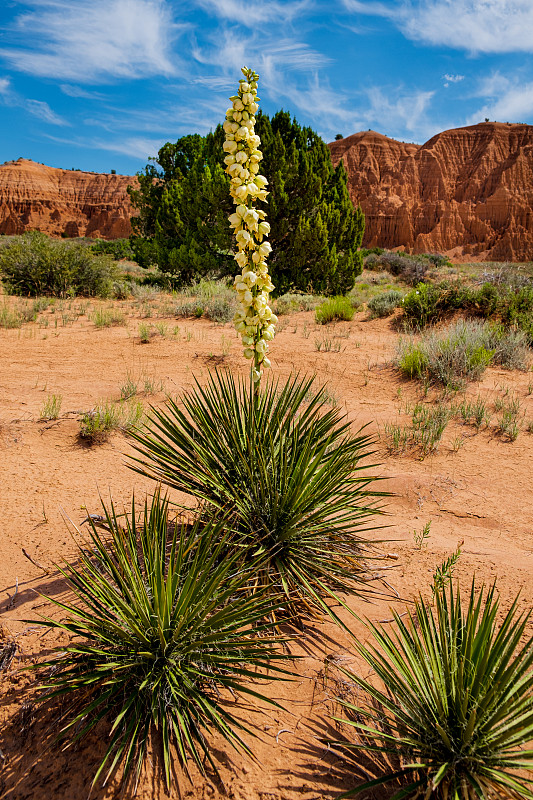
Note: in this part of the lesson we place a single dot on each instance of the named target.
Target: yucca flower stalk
(450, 715)
(162, 639)
(254, 320)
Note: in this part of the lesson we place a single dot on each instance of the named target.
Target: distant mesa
(63, 202)
(467, 192)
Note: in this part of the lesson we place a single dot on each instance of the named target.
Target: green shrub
(290, 303)
(98, 424)
(35, 265)
(283, 467)
(385, 304)
(451, 712)
(160, 626)
(462, 352)
(118, 248)
(51, 407)
(334, 308)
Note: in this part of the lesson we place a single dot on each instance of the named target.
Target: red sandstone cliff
(60, 201)
(467, 191)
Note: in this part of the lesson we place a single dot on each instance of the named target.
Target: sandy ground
(475, 489)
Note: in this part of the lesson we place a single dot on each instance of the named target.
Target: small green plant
(327, 345)
(475, 412)
(107, 317)
(160, 629)
(129, 388)
(334, 308)
(444, 572)
(450, 713)
(51, 407)
(145, 333)
(510, 423)
(421, 537)
(97, 425)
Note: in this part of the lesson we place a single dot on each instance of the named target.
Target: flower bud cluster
(254, 320)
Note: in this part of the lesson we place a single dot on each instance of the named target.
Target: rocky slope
(63, 202)
(467, 192)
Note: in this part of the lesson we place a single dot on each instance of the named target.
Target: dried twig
(35, 563)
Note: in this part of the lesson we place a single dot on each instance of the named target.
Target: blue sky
(102, 84)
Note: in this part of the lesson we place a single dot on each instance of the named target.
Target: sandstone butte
(63, 202)
(467, 192)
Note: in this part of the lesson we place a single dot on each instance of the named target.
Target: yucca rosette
(254, 320)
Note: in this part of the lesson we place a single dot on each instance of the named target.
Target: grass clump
(108, 317)
(286, 470)
(51, 407)
(162, 634)
(334, 308)
(461, 353)
(428, 424)
(383, 305)
(33, 265)
(452, 715)
(97, 425)
(290, 303)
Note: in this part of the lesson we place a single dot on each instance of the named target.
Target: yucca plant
(451, 714)
(286, 470)
(161, 634)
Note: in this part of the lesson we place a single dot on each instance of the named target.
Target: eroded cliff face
(467, 192)
(63, 202)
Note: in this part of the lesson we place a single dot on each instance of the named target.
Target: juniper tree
(183, 202)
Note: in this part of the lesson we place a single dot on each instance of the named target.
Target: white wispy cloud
(77, 91)
(507, 100)
(252, 14)
(453, 79)
(406, 112)
(38, 108)
(477, 26)
(135, 146)
(94, 40)
(41, 110)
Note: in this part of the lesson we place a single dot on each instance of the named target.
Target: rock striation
(467, 192)
(63, 202)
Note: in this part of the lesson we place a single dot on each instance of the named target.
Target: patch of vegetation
(97, 425)
(333, 309)
(160, 629)
(51, 407)
(290, 303)
(108, 317)
(285, 469)
(451, 712)
(462, 352)
(383, 305)
(35, 265)
(117, 248)
(428, 424)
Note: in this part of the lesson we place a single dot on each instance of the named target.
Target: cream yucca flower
(254, 320)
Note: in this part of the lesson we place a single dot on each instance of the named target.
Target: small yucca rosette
(254, 320)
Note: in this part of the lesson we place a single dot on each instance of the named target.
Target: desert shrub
(212, 299)
(160, 628)
(108, 317)
(290, 303)
(462, 352)
(122, 289)
(428, 424)
(334, 308)
(117, 248)
(36, 265)
(97, 425)
(452, 714)
(51, 407)
(385, 304)
(16, 316)
(411, 269)
(286, 470)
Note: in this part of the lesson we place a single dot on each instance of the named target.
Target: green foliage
(455, 717)
(290, 303)
(428, 424)
(159, 628)
(108, 317)
(462, 352)
(51, 407)
(118, 248)
(184, 204)
(285, 469)
(334, 308)
(383, 305)
(444, 572)
(36, 265)
(98, 424)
